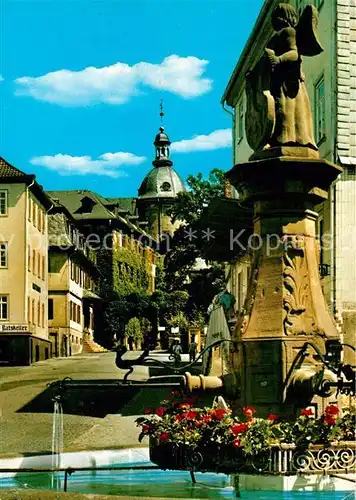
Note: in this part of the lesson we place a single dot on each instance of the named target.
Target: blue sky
(83, 79)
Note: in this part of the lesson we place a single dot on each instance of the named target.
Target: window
(39, 220)
(42, 221)
(43, 267)
(240, 120)
(29, 309)
(320, 110)
(4, 307)
(3, 202)
(28, 207)
(78, 314)
(50, 309)
(34, 207)
(3, 254)
(33, 261)
(39, 263)
(33, 311)
(43, 316)
(29, 258)
(38, 313)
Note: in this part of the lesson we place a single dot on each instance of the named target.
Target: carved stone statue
(278, 114)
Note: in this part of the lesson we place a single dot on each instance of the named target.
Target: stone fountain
(278, 363)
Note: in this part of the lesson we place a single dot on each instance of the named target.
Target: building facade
(73, 304)
(125, 254)
(331, 85)
(23, 268)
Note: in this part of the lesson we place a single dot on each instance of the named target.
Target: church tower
(159, 189)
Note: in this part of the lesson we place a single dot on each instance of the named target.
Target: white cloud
(215, 140)
(117, 83)
(106, 164)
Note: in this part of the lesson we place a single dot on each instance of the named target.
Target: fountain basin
(166, 484)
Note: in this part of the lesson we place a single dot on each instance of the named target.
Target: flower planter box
(212, 458)
(284, 459)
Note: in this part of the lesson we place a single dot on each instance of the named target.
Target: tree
(133, 330)
(179, 320)
(186, 247)
(119, 311)
(191, 203)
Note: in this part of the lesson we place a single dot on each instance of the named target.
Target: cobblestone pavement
(94, 419)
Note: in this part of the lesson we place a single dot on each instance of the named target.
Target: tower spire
(162, 144)
(161, 113)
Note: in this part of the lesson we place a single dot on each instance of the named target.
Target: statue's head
(284, 16)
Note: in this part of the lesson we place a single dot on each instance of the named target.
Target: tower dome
(159, 189)
(162, 181)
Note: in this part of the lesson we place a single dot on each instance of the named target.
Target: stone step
(89, 345)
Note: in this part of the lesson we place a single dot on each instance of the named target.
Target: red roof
(7, 170)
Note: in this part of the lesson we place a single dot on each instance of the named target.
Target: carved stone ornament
(295, 288)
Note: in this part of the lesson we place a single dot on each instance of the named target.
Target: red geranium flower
(198, 423)
(191, 415)
(164, 436)
(146, 428)
(160, 411)
(307, 412)
(207, 418)
(249, 411)
(185, 406)
(181, 416)
(147, 411)
(332, 410)
(238, 429)
(329, 419)
(236, 442)
(220, 413)
(272, 417)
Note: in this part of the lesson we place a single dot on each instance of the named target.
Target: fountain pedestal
(285, 306)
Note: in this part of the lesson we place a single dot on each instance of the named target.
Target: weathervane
(161, 113)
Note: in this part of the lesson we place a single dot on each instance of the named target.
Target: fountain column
(285, 306)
